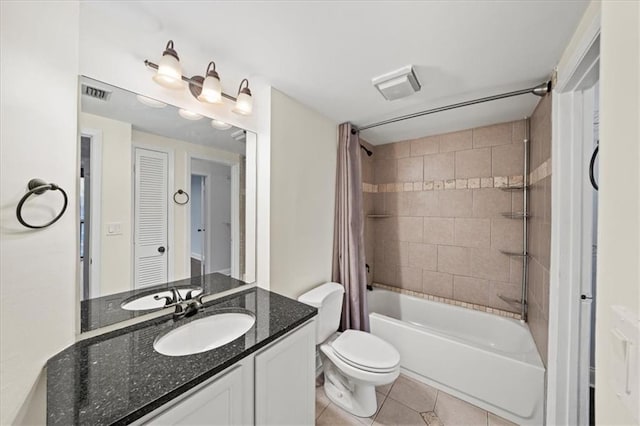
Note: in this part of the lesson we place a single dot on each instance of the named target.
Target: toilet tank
(327, 298)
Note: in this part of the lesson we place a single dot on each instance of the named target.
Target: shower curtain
(348, 236)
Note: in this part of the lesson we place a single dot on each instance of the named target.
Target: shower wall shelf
(378, 216)
(514, 188)
(513, 253)
(510, 300)
(515, 215)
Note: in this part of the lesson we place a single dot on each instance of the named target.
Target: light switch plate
(114, 228)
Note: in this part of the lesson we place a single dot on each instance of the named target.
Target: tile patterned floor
(407, 402)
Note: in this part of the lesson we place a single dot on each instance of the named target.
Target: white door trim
(170, 220)
(567, 236)
(235, 224)
(96, 210)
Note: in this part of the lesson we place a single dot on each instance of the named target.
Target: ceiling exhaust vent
(96, 93)
(397, 84)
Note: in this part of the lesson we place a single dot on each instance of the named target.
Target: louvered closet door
(150, 221)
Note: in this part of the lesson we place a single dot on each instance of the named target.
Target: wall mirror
(167, 205)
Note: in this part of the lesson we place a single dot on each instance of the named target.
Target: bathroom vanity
(265, 376)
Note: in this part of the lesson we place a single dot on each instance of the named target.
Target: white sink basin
(204, 334)
(149, 301)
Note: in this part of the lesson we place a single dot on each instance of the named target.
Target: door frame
(95, 208)
(570, 133)
(235, 208)
(170, 214)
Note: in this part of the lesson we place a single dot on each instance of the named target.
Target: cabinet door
(218, 403)
(285, 380)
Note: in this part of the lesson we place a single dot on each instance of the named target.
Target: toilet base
(356, 398)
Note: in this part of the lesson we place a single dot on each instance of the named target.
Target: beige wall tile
(410, 278)
(507, 160)
(424, 203)
(472, 290)
(455, 260)
(472, 232)
(394, 150)
(438, 230)
(424, 146)
(456, 141)
(490, 202)
(498, 134)
(473, 163)
(439, 166)
(518, 131)
(456, 203)
(396, 253)
(386, 274)
(424, 256)
(437, 283)
(410, 169)
(515, 270)
(410, 229)
(506, 234)
(384, 171)
(489, 264)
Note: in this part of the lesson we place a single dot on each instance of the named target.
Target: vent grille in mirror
(96, 93)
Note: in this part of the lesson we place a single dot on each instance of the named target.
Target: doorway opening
(211, 218)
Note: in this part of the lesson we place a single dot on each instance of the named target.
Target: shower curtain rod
(539, 90)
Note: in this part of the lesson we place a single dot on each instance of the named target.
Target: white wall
(38, 111)
(618, 280)
(303, 168)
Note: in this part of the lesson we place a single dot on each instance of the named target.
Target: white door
(151, 186)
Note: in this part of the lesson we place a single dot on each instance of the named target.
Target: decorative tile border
(447, 184)
(541, 172)
(473, 306)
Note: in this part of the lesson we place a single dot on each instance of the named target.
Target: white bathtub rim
(463, 396)
(535, 361)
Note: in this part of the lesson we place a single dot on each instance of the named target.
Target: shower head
(369, 153)
(542, 89)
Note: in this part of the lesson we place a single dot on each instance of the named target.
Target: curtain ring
(180, 192)
(38, 187)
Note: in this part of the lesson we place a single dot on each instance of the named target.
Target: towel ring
(38, 187)
(180, 192)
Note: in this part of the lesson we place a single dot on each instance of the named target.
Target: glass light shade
(244, 104)
(169, 73)
(188, 115)
(220, 125)
(211, 90)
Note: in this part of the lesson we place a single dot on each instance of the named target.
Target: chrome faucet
(188, 308)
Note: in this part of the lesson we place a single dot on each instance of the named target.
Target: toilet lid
(366, 350)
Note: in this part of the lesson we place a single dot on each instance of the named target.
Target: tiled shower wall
(540, 224)
(444, 200)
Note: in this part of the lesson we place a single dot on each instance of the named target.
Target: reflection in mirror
(167, 205)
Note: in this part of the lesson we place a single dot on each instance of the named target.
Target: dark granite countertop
(105, 310)
(117, 377)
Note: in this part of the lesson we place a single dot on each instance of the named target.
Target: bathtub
(484, 359)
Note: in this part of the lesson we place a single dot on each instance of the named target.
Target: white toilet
(354, 362)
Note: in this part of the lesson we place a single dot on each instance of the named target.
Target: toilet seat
(366, 352)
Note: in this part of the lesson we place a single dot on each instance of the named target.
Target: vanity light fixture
(239, 135)
(220, 125)
(150, 102)
(189, 115)
(211, 92)
(244, 103)
(169, 72)
(206, 89)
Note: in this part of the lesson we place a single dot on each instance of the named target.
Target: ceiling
(124, 106)
(324, 53)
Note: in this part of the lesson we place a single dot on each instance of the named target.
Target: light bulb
(169, 72)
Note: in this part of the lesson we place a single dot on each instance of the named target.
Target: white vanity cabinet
(285, 380)
(274, 386)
